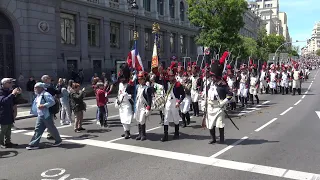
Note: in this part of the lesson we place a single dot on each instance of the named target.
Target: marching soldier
(273, 79)
(243, 86)
(142, 104)
(218, 96)
(123, 102)
(174, 97)
(185, 105)
(296, 81)
(158, 92)
(284, 80)
(232, 86)
(195, 84)
(263, 80)
(254, 84)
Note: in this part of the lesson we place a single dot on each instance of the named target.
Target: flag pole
(155, 31)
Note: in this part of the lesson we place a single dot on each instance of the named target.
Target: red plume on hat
(180, 67)
(172, 69)
(250, 62)
(229, 66)
(224, 57)
(189, 66)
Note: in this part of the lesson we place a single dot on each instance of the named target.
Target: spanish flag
(155, 59)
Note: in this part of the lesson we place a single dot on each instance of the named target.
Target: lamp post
(275, 54)
(133, 5)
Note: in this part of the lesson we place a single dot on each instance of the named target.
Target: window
(181, 11)
(171, 6)
(114, 35)
(182, 44)
(160, 7)
(67, 23)
(93, 32)
(148, 39)
(146, 5)
(172, 42)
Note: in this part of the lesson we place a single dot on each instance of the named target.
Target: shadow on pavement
(157, 137)
(83, 136)
(98, 130)
(248, 141)
(8, 154)
(64, 145)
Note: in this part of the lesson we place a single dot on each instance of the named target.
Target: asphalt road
(278, 139)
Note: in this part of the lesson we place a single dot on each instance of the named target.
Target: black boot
(242, 101)
(139, 135)
(282, 89)
(191, 107)
(176, 131)
(161, 117)
(221, 133)
(251, 98)
(184, 123)
(194, 108)
(257, 98)
(188, 118)
(126, 134)
(287, 90)
(261, 91)
(294, 91)
(299, 91)
(213, 135)
(246, 101)
(165, 135)
(237, 99)
(143, 132)
(234, 106)
(271, 91)
(197, 109)
(267, 90)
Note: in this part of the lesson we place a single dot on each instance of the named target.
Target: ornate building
(56, 37)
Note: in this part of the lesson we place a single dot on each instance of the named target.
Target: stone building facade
(57, 36)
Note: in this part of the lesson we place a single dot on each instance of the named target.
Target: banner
(155, 59)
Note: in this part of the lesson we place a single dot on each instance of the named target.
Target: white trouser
(140, 114)
(185, 105)
(242, 91)
(126, 127)
(171, 112)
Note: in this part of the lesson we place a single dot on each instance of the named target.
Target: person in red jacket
(101, 97)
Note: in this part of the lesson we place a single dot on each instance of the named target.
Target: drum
(158, 103)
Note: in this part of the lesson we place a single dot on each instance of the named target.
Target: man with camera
(7, 102)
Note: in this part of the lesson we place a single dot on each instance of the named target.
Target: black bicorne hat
(124, 72)
(217, 68)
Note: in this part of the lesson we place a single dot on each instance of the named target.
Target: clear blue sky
(302, 15)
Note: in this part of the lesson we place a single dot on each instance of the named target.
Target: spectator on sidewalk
(7, 98)
(30, 88)
(65, 111)
(40, 108)
(78, 106)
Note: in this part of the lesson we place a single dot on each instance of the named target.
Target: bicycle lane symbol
(55, 173)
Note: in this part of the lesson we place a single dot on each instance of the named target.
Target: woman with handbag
(78, 106)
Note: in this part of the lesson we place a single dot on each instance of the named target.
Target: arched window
(160, 7)
(147, 5)
(171, 6)
(182, 11)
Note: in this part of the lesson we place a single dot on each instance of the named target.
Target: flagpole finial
(155, 28)
(135, 35)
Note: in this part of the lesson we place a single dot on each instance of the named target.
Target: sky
(302, 16)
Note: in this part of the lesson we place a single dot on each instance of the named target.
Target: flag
(155, 59)
(134, 60)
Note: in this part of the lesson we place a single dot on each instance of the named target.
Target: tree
(318, 52)
(293, 51)
(273, 42)
(262, 50)
(250, 47)
(219, 21)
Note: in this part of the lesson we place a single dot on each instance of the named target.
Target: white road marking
(265, 102)
(245, 112)
(117, 139)
(18, 131)
(297, 102)
(241, 114)
(318, 113)
(303, 96)
(265, 125)
(215, 162)
(229, 147)
(254, 108)
(284, 112)
(311, 81)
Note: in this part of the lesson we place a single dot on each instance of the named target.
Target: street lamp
(275, 54)
(133, 5)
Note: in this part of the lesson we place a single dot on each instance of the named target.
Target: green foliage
(318, 52)
(220, 21)
(250, 47)
(293, 51)
(262, 50)
(273, 41)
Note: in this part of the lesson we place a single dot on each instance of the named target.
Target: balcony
(147, 13)
(115, 5)
(161, 17)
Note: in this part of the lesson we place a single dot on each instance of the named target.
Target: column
(124, 36)
(106, 36)
(84, 41)
(166, 7)
(178, 45)
(141, 46)
(187, 45)
(166, 53)
(177, 12)
(154, 9)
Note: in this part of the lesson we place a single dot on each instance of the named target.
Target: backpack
(55, 109)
